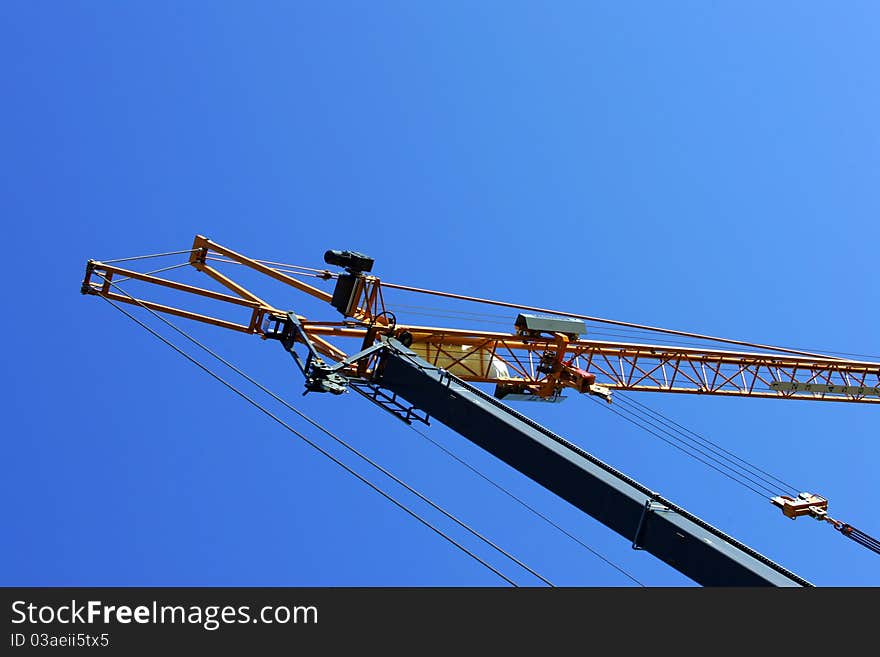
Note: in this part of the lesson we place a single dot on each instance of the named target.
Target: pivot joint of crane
(320, 377)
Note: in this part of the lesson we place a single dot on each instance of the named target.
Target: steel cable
(336, 438)
(774, 480)
(861, 538)
(525, 504)
(154, 271)
(679, 447)
(709, 453)
(312, 444)
(143, 257)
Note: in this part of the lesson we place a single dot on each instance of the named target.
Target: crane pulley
(816, 506)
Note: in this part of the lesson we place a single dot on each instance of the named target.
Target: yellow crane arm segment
(529, 363)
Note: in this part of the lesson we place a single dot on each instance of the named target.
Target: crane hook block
(805, 504)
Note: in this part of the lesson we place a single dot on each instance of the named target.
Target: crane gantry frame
(523, 362)
(419, 371)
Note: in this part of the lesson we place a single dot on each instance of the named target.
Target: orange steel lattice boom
(529, 364)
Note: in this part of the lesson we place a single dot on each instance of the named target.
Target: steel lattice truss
(540, 365)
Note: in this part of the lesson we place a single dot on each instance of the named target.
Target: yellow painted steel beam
(201, 246)
(509, 358)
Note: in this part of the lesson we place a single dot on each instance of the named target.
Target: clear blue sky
(710, 168)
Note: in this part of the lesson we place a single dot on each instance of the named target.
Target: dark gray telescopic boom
(653, 524)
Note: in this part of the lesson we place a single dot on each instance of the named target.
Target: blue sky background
(705, 167)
